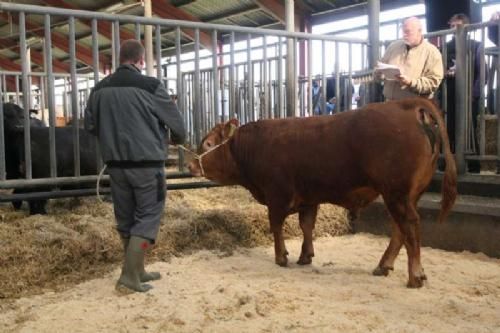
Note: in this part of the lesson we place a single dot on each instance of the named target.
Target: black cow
(13, 123)
(40, 152)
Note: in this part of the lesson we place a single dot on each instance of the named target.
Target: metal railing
(250, 84)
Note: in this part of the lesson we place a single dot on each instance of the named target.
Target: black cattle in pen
(13, 124)
(40, 152)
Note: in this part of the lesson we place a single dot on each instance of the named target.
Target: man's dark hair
(459, 17)
(131, 50)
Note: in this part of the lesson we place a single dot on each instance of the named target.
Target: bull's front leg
(276, 219)
(307, 219)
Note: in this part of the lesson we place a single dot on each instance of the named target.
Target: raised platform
(483, 184)
(473, 225)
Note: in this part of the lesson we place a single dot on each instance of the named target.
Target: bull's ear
(230, 127)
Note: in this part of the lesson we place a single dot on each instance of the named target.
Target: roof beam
(9, 65)
(57, 65)
(37, 58)
(360, 9)
(235, 13)
(103, 27)
(165, 10)
(83, 53)
(276, 9)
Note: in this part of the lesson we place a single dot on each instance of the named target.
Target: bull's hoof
(353, 215)
(305, 259)
(281, 261)
(416, 282)
(17, 204)
(382, 271)
(38, 207)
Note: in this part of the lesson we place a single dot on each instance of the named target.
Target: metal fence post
(460, 99)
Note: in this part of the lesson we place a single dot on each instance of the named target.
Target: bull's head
(217, 136)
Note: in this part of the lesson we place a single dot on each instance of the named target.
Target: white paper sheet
(389, 71)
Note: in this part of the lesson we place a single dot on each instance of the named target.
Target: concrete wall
(472, 226)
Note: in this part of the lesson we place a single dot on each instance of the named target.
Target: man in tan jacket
(420, 63)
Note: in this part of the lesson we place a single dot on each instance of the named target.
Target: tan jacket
(422, 63)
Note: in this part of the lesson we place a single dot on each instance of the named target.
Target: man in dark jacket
(131, 114)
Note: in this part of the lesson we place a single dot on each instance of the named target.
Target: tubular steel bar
(461, 99)
(180, 90)
(215, 77)
(197, 92)
(338, 95)
(444, 101)
(2, 141)
(497, 104)
(26, 94)
(290, 79)
(309, 77)
(17, 89)
(232, 89)
(60, 181)
(95, 64)
(265, 78)
(116, 44)
(159, 73)
(281, 111)
(249, 79)
(4, 83)
(43, 96)
(50, 97)
(373, 31)
(323, 79)
(131, 19)
(42, 74)
(482, 82)
(137, 30)
(74, 95)
(349, 90)
(92, 191)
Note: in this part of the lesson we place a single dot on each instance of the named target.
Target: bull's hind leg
(405, 215)
(386, 263)
(276, 219)
(411, 228)
(307, 218)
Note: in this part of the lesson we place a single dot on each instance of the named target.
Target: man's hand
(404, 80)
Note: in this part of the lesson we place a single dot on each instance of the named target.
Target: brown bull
(293, 165)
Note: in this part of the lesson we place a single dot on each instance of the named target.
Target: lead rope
(98, 181)
(196, 156)
(199, 157)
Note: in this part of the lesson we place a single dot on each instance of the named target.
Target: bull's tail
(449, 184)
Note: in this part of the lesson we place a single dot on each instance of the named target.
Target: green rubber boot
(144, 276)
(133, 265)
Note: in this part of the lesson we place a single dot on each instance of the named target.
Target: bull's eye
(207, 145)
